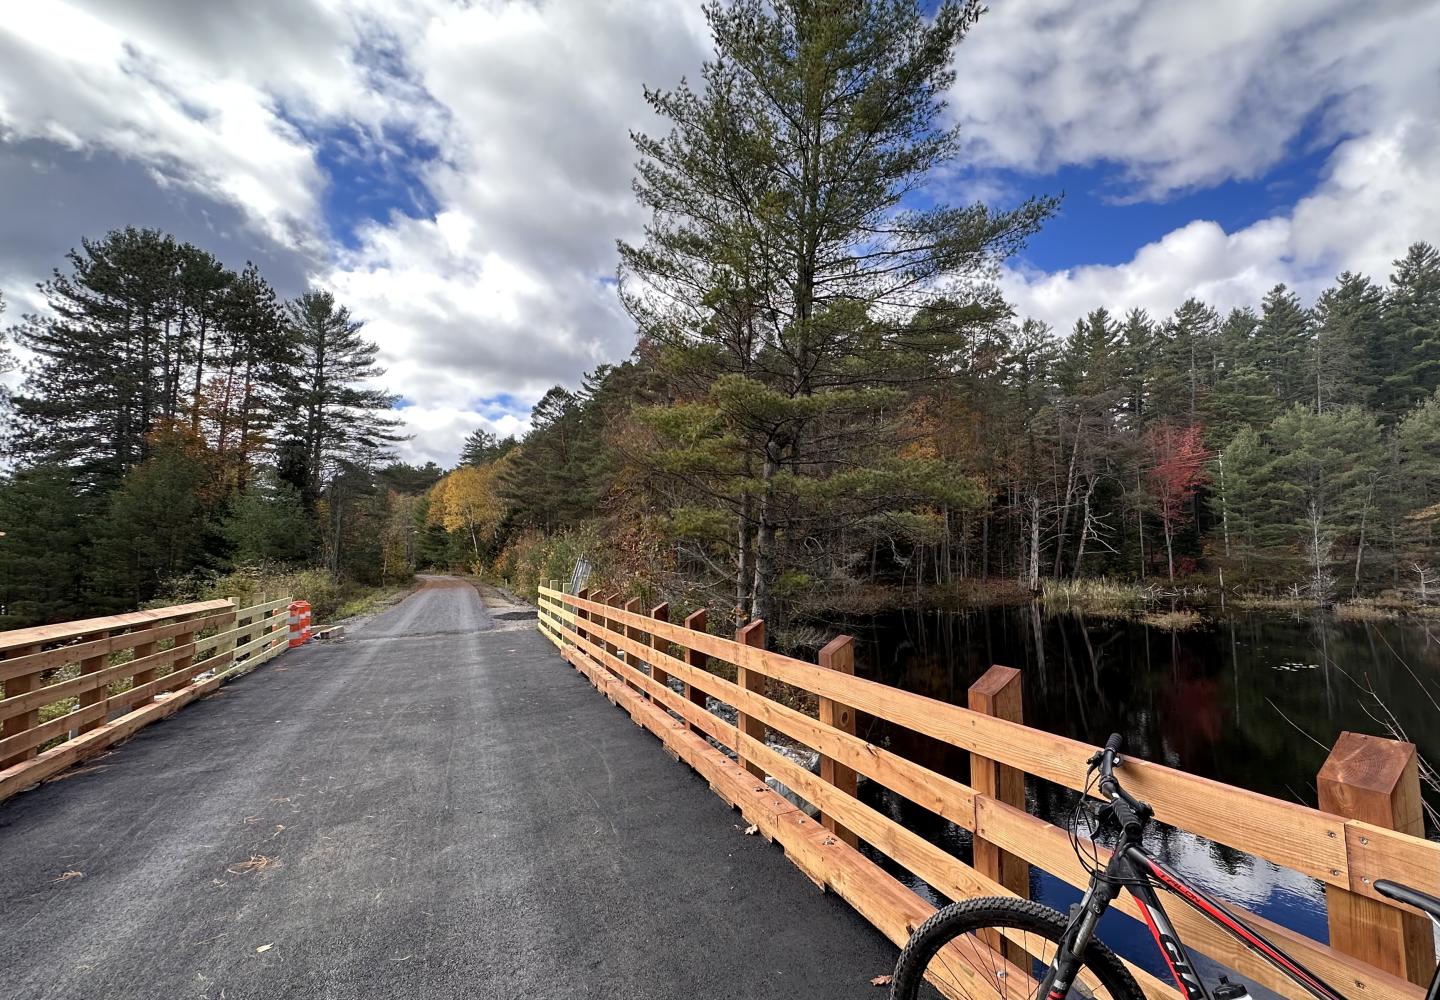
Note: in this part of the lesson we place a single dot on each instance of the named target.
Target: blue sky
(458, 173)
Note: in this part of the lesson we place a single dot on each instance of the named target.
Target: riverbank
(1163, 605)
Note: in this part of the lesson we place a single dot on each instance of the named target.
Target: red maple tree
(1177, 457)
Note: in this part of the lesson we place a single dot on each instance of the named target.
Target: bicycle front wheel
(997, 948)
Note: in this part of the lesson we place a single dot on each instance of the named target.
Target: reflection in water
(1250, 700)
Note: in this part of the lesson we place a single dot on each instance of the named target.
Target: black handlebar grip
(1112, 745)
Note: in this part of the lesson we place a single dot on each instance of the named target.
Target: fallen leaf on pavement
(880, 981)
(67, 876)
(751, 830)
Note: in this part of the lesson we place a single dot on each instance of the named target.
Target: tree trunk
(765, 538)
(1360, 546)
(745, 568)
(1034, 580)
(1169, 548)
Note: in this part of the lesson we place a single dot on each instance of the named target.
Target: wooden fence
(68, 691)
(1370, 787)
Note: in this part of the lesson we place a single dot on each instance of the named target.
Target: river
(1253, 700)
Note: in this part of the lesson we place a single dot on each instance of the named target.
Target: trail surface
(436, 807)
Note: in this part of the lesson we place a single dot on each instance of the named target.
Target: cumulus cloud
(506, 289)
(1178, 95)
(239, 126)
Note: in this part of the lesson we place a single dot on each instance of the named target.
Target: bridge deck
(437, 807)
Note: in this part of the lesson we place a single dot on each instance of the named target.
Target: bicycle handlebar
(1131, 812)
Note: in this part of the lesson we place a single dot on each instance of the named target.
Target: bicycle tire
(972, 916)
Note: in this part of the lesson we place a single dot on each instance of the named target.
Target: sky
(458, 171)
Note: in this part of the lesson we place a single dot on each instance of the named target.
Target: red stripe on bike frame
(1164, 953)
(1223, 918)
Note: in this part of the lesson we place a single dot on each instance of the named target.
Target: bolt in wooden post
(998, 693)
(838, 654)
(24, 721)
(695, 621)
(1377, 781)
(661, 613)
(95, 696)
(751, 635)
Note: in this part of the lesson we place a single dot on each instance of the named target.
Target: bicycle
(1003, 945)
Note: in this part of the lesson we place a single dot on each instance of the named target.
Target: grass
(1367, 609)
(1178, 620)
(1101, 594)
(1272, 602)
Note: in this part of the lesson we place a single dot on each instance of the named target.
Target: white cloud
(1178, 95)
(1181, 94)
(503, 290)
(1376, 199)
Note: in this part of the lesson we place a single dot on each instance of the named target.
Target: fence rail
(1377, 949)
(70, 690)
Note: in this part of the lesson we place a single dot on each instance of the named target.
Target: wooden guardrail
(68, 691)
(1377, 949)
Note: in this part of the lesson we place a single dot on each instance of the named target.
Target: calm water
(1248, 699)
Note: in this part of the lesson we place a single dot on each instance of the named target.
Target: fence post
(750, 635)
(695, 621)
(95, 696)
(24, 721)
(838, 654)
(1377, 781)
(581, 615)
(998, 693)
(144, 676)
(183, 662)
(632, 632)
(661, 613)
(613, 626)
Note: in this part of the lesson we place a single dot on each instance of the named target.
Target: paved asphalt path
(437, 807)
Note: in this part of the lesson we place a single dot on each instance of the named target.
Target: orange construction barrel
(299, 623)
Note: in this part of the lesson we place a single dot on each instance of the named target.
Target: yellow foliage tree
(466, 500)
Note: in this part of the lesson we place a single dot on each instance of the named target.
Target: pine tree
(1348, 320)
(1188, 347)
(157, 526)
(1249, 516)
(1324, 474)
(1282, 345)
(267, 524)
(105, 360)
(1409, 345)
(251, 360)
(331, 418)
(778, 226)
(483, 447)
(1417, 444)
(1138, 338)
(43, 556)
(1241, 397)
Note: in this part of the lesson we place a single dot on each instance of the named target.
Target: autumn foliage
(1178, 459)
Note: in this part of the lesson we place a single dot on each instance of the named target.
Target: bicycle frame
(1140, 873)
